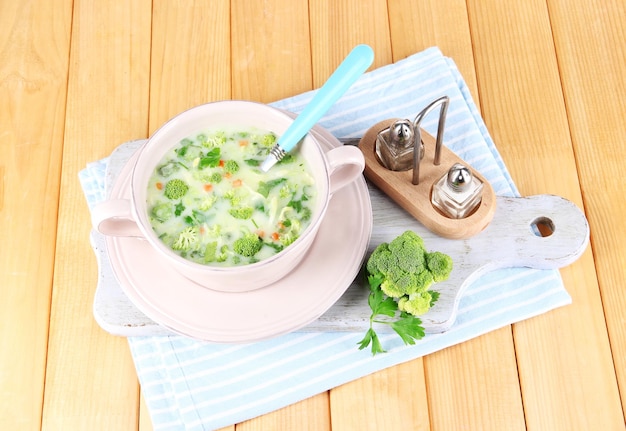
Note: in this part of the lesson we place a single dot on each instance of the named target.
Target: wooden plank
(145, 422)
(34, 44)
(91, 381)
(310, 414)
(474, 385)
(459, 395)
(417, 25)
(271, 49)
(190, 62)
(590, 50)
(391, 399)
(336, 27)
(271, 60)
(522, 103)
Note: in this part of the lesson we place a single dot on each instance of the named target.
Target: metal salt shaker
(457, 193)
(394, 146)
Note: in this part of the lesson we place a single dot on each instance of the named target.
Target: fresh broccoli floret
(231, 166)
(423, 281)
(216, 140)
(162, 211)
(207, 202)
(222, 255)
(397, 285)
(391, 289)
(268, 140)
(237, 196)
(439, 264)
(215, 178)
(176, 189)
(186, 239)
(415, 304)
(407, 270)
(248, 245)
(242, 213)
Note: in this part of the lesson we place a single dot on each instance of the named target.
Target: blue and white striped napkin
(195, 385)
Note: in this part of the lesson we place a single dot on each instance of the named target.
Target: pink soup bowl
(332, 170)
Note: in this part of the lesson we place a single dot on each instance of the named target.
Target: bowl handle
(345, 164)
(114, 218)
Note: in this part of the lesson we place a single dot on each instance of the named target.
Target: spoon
(353, 66)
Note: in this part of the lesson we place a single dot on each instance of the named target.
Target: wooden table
(79, 77)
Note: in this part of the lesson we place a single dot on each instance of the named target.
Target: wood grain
(417, 25)
(34, 45)
(394, 399)
(271, 50)
(562, 391)
(336, 27)
(486, 366)
(191, 58)
(77, 78)
(594, 88)
(90, 380)
(310, 414)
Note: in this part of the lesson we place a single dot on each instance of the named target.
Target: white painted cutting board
(510, 240)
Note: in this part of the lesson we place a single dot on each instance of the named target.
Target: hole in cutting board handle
(543, 227)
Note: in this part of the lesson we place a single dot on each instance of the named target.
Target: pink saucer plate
(189, 309)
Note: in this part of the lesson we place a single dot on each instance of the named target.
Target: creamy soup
(209, 201)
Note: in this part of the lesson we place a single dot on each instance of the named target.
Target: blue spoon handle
(353, 66)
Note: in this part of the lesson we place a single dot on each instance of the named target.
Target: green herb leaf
(371, 338)
(381, 304)
(210, 159)
(182, 151)
(196, 217)
(287, 158)
(375, 281)
(266, 186)
(367, 339)
(434, 296)
(253, 162)
(409, 328)
(179, 208)
(376, 346)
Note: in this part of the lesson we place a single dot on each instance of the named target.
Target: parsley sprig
(407, 326)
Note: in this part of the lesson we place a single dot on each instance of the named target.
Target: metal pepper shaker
(394, 146)
(457, 193)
